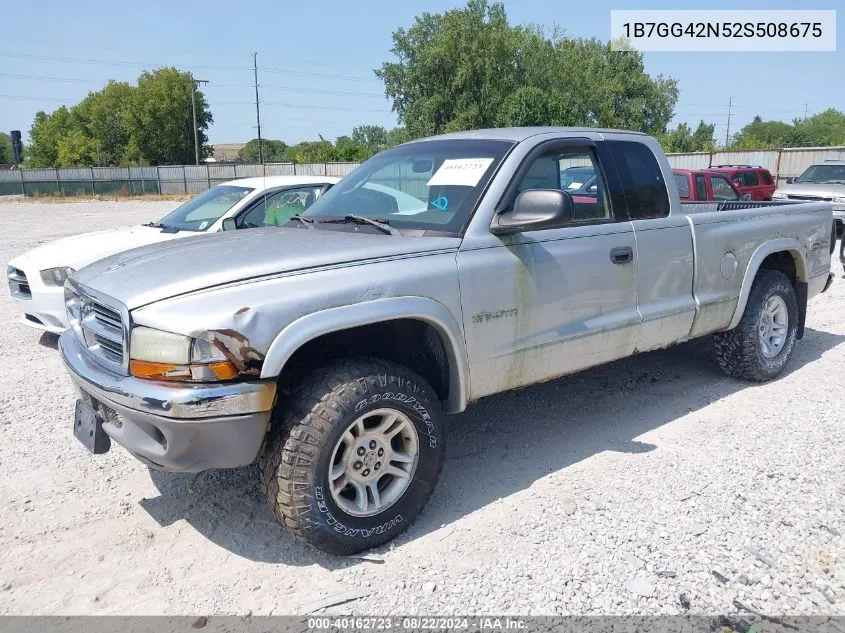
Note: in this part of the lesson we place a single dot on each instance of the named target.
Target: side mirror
(535, 209)
(790, 180)
(229, 224)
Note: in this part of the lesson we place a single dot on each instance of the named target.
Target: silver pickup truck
(439, 272)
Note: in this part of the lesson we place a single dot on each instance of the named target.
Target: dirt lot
(649, 486)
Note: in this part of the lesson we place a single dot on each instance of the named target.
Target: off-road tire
(738, 351)
(308, 423)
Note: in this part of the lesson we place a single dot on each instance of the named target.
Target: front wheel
(760, 346)
(356, 457)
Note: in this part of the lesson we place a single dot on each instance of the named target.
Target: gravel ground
(649, 486)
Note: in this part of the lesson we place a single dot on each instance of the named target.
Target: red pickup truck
(705, 185)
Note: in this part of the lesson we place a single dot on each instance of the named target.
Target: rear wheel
(356, 456)
(760, 346)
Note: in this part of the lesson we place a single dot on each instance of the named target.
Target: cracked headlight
(159, 355)
(56, 276)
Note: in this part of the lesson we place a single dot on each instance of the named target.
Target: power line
(315, 107)
(115, 62)
(42, 78)
(344, 93)
(302, 73)
(28, 98)
(306, 106)
(110, 62)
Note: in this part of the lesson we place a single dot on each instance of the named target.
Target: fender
(794, 248)
(313, 325)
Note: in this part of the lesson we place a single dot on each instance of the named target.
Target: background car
(705, 185)
(824, 181)
(36, 278)
(751, 179)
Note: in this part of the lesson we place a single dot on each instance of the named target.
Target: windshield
(576, 177)
(834, 174)
(430, 185)
(201, 212)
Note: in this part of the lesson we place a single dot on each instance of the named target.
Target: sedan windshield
(201, 212)
(430, 185)
(834, 174)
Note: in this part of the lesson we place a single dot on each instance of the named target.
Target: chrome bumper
(174, 426)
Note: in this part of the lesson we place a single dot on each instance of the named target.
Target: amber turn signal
(222, 370)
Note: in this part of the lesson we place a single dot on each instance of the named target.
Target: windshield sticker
(464, 172)
(202, 225)
(441, 203)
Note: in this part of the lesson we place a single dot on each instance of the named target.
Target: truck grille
(18, 284)
(98, 323)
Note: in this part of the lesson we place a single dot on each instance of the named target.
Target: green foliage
(7, 156)
(760, 134)
(684, 139)
(161, 119)
(311, 152)
(347, 149)
(147, 124)
(272, 151)
(75, 148)
(469, 68)
(44, 137)
(820, 130)
(372, 138)
(530, 106)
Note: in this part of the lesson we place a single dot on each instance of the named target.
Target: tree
(150, 123)
(161, 119)
(373, 138)
(103, 117)
(820, 130)
(7, 156)
(468, 68)
(75, 149)
(760, 134)
(530, 106)
(271, 151)
(321, 151)
(684, 139)
(397, 136)
(348, 149)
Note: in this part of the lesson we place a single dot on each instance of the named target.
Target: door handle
(621, 254)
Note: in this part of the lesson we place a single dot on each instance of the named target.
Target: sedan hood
(160, 271)
(80, 250)
(814, 189)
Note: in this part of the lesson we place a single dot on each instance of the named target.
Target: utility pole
(194, 83)
(257, 110)
(728, 130)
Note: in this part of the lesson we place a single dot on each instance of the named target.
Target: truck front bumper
(173, 426)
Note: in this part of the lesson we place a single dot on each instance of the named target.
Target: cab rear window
(642, 181)
(682, 183)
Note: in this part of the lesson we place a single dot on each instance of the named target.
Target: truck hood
(80, 250)
(814, 189)
(160, 271)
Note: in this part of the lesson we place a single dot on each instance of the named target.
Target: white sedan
(36, 278)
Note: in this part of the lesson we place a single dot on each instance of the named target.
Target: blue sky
(309, 52)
